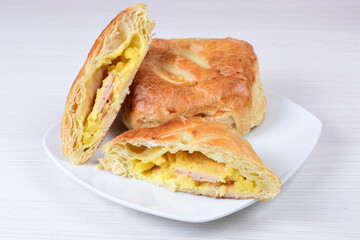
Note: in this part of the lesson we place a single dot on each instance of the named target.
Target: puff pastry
(103, 82)
(217, 79)
(191, 154)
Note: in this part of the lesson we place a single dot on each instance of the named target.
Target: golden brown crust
(193, 130)
(214, 140)
(71, 124)
(217, 79)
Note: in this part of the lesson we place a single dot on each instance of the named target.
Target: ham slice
(198, 177)
(155, 168)
(107, 91)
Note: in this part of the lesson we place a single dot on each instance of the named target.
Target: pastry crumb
(99, 166)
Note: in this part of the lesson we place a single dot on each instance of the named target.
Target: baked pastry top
(103, 82)
(217, 79)
(191, 154)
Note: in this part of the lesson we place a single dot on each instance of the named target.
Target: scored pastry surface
(217, 79)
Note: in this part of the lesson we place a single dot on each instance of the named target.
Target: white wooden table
(309, 52)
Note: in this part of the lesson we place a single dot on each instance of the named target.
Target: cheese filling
(188, 171)
(117, 66)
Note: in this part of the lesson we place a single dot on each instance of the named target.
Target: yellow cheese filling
(190, 171)
(120, 62)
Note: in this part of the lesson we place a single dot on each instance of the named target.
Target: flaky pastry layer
(100, 88)
(191, 154)
(217, 79)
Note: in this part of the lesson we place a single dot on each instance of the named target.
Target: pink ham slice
(107, 92)
(198, 177)
(155, 168)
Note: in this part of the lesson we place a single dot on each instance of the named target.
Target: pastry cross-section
(100, 88)
(193, 155)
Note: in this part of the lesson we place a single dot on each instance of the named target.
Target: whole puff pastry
(103, 82)
(217, 79)
(191, 154)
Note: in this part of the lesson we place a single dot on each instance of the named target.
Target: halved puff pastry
(217, 79)
(100, 88)
(190, 154)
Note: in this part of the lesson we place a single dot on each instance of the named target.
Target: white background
(309, 52)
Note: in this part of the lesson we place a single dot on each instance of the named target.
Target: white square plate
(283, 141)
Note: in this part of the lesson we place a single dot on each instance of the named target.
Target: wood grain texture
(309, 52)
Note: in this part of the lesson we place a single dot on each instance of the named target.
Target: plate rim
(175, 217)
(317, 138)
